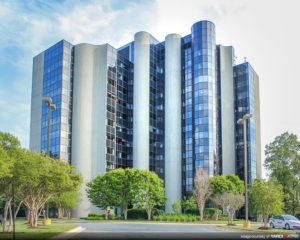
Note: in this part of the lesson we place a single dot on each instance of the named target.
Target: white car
(284, 221)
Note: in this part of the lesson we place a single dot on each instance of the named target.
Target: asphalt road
(152, 231)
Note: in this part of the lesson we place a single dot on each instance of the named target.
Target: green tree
(114, 189)
(42, 178)
(5, 164)
(148, 191)
(188, 203)
(65, 202)
(9, 153)
(176, 207)
(101, 192)
(124, 182)
(237, 185)
(227, 192)
(231, 202)
(283, 162)
(266, 198)
(230, 184)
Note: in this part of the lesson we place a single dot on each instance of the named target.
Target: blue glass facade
(57, 84)
(204, 90)
(199, 84)
(244, 103)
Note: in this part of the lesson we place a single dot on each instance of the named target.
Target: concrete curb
(68, 234)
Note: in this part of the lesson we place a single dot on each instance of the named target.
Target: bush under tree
(176, 206)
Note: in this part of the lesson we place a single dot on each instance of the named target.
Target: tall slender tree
(148, 191)
(9, 153)
(201, 191)
(266, 198)
(283, 163)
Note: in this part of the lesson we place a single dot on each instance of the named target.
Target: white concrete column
(89, 117)
(173, 166)
(36, 102)
(141, 100)
(257, 126)
(227, 109)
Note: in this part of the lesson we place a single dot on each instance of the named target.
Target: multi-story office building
(169, 107)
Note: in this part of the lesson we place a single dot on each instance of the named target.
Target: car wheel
(287, 227)
(272, 225)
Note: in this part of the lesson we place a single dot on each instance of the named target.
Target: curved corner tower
(205, 98)
(89, 116)
(173, 154)
(141, 100)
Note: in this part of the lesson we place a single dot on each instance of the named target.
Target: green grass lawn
(41, 232)
(254, 228)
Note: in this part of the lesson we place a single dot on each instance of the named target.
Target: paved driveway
(152, 231)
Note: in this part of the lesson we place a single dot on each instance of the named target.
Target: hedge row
(160, 215)
(176, 217)
(209, 213)
(98, 216)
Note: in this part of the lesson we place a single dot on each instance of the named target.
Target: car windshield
(290, 217)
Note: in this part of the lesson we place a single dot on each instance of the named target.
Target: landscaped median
(25, 232)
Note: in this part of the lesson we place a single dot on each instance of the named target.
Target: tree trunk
(125, 212)
(5, 213)
(201, 209)
(27, 212)
(68, 213)
(10, 218)
(232, 216)
(149, 210)
(34, 218)
(228, 216)
(18, 209)
(39, 212)
(106, 213)
(265, 221)
(60, 213)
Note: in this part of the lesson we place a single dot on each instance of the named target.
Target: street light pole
(51, 106)
(244, 122)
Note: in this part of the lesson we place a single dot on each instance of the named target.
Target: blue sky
(29, 27)
(266, 32)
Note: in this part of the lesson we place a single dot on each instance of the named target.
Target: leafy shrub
(176, 206)
(111, 216)
(136, 213)
(173, 217)
(212, 213)
(194, 211)
(98, 216)
(157, 212)
(95, 216)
